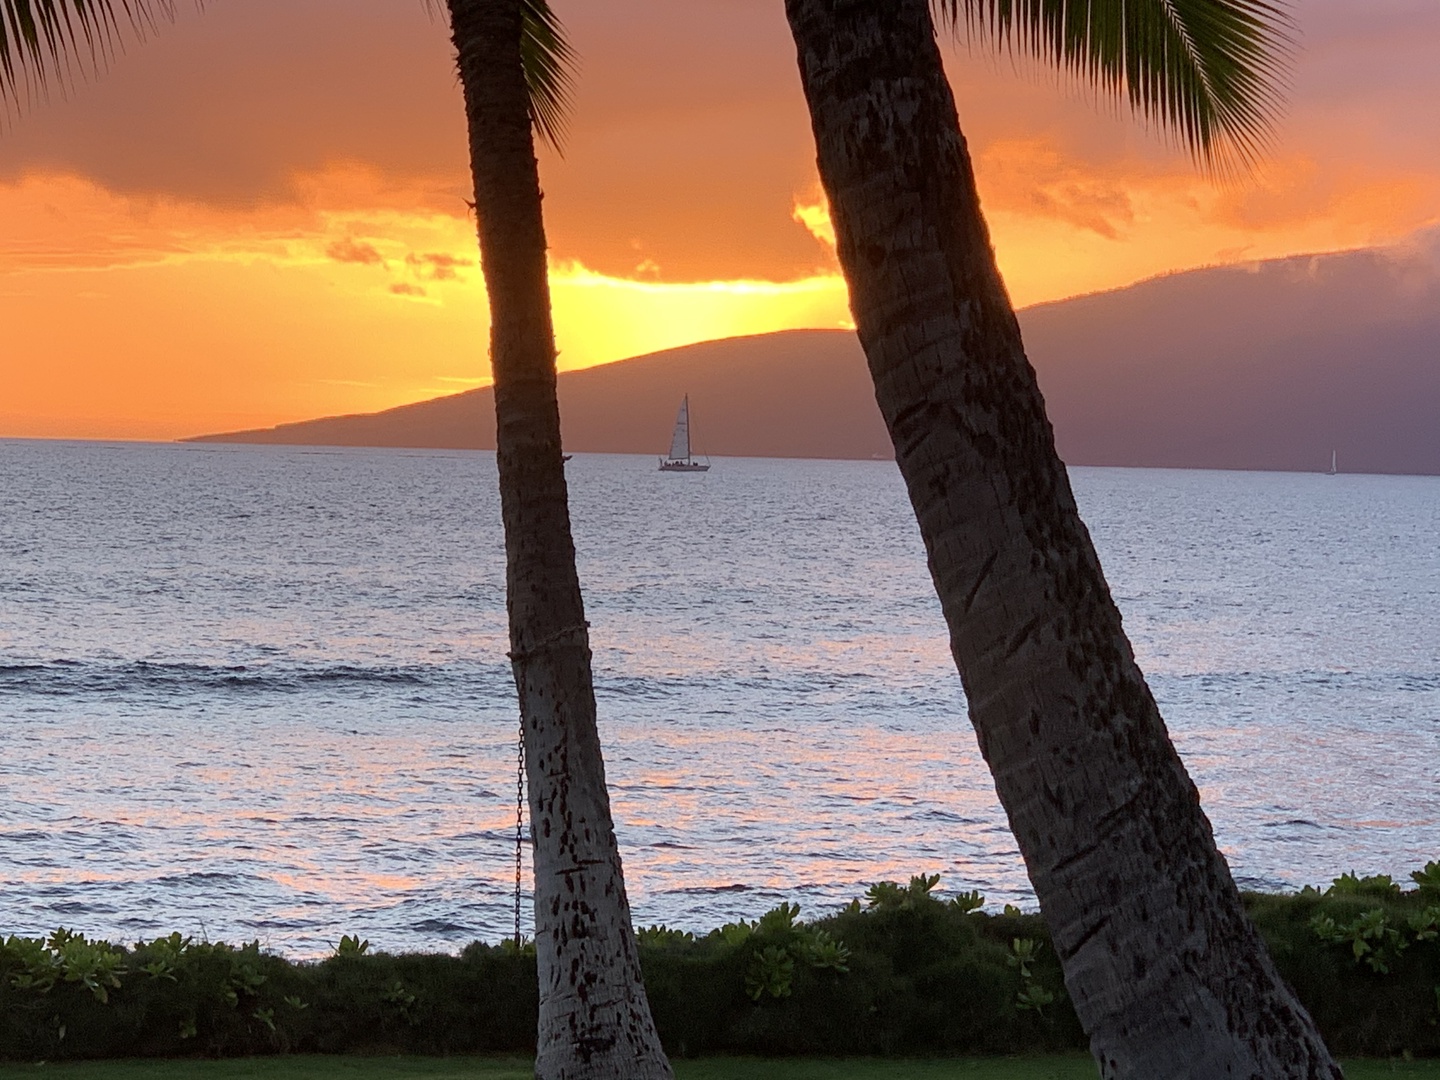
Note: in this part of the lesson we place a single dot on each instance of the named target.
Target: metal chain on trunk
(516, 656)
(519, 820)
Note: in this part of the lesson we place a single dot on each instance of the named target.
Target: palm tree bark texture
(595, 1022)
(1166, 971)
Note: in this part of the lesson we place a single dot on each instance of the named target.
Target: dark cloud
(229, 103)
(689, 137)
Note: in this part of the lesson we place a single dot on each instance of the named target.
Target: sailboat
(679, 459)
(1332, 462)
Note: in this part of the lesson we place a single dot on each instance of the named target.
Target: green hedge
(908, 972)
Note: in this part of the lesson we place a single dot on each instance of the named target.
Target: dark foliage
(1365, 961)
(907, 973)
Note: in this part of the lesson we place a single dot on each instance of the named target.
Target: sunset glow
(153, 319)
(333, 268)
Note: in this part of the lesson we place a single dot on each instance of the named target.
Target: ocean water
(253, 692)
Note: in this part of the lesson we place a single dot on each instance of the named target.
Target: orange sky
(257, 216)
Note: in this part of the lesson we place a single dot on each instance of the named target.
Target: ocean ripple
(253, 692)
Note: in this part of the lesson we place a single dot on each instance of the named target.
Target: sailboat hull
(682, 466)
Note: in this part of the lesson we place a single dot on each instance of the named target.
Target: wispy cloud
(350, 250)
(437, 265)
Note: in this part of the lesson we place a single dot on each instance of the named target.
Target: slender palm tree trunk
(1166, 971)
(595, 1021)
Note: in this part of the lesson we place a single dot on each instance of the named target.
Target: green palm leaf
(1211, 71)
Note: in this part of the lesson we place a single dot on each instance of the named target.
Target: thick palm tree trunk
(1166, 971)
(595, 1021)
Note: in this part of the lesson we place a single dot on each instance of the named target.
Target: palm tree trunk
(595, 1021)
(1166, 971)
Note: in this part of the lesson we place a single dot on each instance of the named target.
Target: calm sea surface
(261, 692)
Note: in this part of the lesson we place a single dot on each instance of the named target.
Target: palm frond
(1213, 72)
(40, 39)
(550, 64)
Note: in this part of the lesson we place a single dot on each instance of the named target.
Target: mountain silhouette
(796, 393)
(1267, 366)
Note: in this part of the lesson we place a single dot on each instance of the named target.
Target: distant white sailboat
(1332, 463)
(679, 459)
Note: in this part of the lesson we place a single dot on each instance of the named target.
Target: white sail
(680, 441)
(680, 460)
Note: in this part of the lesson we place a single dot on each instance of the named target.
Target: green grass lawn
(1066, 1067)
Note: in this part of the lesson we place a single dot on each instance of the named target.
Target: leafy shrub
(1364, 959)
(1427, 881)
(908, 971)
(1350, 885)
